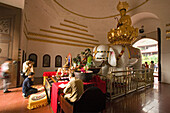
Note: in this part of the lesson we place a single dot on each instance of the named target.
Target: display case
(48, 86)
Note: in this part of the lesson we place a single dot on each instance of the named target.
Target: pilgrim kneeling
(26, 86)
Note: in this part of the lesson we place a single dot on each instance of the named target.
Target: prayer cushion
(37, 100)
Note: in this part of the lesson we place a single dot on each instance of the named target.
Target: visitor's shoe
(7, 91)
(24, 96)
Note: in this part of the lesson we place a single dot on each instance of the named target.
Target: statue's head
(122, 6)
(123, 12)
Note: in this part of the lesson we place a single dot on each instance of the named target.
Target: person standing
(152, 66)
(156, 66)
(146, 65)
(28, 67)
(26, 86)
(6, 69)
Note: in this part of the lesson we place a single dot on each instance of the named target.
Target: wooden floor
(153, 100)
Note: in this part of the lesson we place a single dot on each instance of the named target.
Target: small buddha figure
(59, 72)
(65, 72)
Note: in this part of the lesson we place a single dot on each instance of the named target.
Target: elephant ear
(97, 62)
(112, 57)
(94, 51)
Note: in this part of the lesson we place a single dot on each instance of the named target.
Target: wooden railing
(120, 83)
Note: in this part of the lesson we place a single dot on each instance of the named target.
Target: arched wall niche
(150, 22)
(33, 57)
(46, 60)
(142, 16)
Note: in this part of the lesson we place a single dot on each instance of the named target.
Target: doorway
(149, 51)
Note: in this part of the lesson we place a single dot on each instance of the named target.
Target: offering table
(57, 89)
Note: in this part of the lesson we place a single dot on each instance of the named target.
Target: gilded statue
(125, 20)
(66, 65)
(124, 33)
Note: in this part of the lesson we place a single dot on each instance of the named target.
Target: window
(58, 61)
(46, 60)
(34, 58)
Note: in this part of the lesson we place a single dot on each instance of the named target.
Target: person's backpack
(4, 75)
(23, 74)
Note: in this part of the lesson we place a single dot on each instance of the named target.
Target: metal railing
(120, 83)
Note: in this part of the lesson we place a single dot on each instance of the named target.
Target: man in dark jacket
(26, 86)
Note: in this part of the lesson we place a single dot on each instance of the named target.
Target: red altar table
(55, 95)
(96, 81)
(47, 75)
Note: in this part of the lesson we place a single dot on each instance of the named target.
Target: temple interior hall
(53, 33)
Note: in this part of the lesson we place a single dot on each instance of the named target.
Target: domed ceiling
(79, 20)
(96, 9)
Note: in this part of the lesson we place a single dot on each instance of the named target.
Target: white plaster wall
(165, 55)
(166, 67)
(150, 25)
(42, 48)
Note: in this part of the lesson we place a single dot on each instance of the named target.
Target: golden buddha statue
(124, 33)
(125, 20)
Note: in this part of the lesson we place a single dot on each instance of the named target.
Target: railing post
(145, 77)
(152, 77)
(137, 79)
(111, 86)
(126, 84)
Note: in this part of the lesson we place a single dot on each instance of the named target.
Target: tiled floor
(153, 100)
(13, 102)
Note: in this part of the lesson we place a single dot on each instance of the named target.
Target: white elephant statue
(104, 56)
(118, 56)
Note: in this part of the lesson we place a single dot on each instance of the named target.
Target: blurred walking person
(6, 69)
